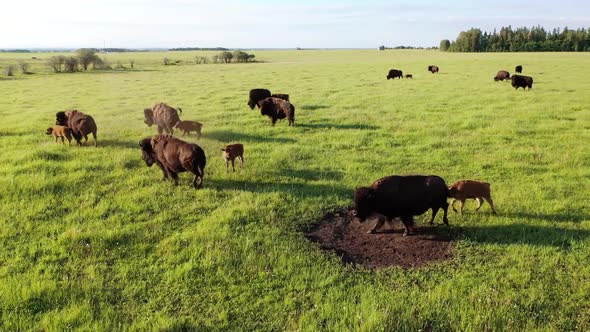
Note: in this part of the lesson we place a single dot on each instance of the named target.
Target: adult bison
(164, 116)
(502, 75)
(277, 109)
(393, 73)
(257, 95)
(433, 69)
(521, 81)
(401, 197)
(518, 69)
(174, 156)
(80, 124)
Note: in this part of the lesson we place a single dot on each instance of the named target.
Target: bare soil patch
(342, 233)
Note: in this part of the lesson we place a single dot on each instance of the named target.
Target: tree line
(523, 39)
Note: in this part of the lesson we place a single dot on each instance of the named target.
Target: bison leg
(174, 176)
(380, 222)
(445, 207)
(227, 165)
(489, 200)
(62, 141)
(453, 204)
(461, 205)
(479, 201)
(434, 211)
(241, 162)
(164, 172)
(56, 139)
(197, 184)
(94, 137)
(232, 165)
(409, 224)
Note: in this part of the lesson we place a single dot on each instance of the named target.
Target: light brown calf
(187, 126)
(60, 131)
(464, 189)
(230, 153)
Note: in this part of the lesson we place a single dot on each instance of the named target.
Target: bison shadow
(335, 125)
(313, 107)
(535, 235)
(305, 190)
(551, 217)
(229, 136)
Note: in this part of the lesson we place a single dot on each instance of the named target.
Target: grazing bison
(433, 69)
(187, 126)
(230, 153)
(463, 189)
(521, 81)
(277, 109)
(174, 156)
(81, 124)
(393, 73)
(257, 95)
(502, 75)
(164, 116)
(60, 132)
(401, 197)
(283, 96)
(518, 69)
(409, 76)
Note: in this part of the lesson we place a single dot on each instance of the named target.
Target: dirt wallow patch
(342, 233)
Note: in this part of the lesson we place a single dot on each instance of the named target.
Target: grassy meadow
(92, 240)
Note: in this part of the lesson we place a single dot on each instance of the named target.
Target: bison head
(364, 200)
(147, 152)
(49, 131)
(61, 119)
(266, 107)
(149, 117)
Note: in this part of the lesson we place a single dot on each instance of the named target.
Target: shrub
(86, 56)
(24, 67)
(71, 64)
(9, 70)
(56, 62)
(131, 63)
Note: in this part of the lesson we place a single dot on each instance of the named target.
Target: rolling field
(91, 239)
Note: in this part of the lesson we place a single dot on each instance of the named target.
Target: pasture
(91, 239)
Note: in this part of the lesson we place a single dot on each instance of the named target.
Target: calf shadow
(536, 235)
(229, 136)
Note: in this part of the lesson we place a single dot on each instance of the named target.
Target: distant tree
(382, 48)
(444, 45)
(24, 67)
(215, 58)
(56, 63)
(71, 64)
(226, 56)
(86, 56)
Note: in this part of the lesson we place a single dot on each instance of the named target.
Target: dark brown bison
(433, 69)
(164, 116)
(409, 76)
(174, 156)
(393, 73)
(81, 124)
(230, 153)
(62, 132)
(401, 197)
(502, 75)
(257, 95)
(521, 81)
(518, 69)
(277, 109)
(283, 96)
(464, 189)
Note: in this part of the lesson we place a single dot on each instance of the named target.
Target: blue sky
(269, 24)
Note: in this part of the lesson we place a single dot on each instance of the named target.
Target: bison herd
(388, 198)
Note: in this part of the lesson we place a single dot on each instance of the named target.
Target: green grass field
(91, 239)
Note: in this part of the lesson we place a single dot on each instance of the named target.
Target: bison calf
(518, 69)
(230, 153)
(502, 75)
(60, 132)
(187, 126)
(464, 189)
(174, 156)
(409, 76)
(433, 69)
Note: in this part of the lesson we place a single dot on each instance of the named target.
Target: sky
(269, 24)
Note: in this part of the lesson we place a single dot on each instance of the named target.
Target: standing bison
(174, 156)
(518, 69)
(164, 116)
(521, 81)
(502, 75)
(401, 197)
(257, 95)
(80, 124)
(433, 69)
(277, 109)
(393, 73)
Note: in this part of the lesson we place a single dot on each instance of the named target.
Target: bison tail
(179, 109)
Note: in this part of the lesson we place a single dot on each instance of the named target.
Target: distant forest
(535, 39)
(199, 49)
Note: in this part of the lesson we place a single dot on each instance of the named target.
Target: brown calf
(464, 189)
(187, 126)
(230, 153)
(60, 131)
(409, 76)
